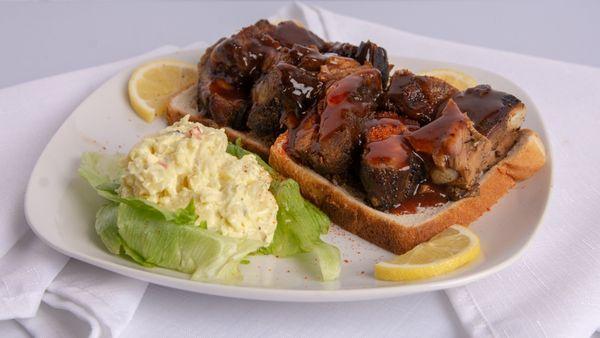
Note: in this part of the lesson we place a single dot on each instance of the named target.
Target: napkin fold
(104, 301)
(26, 272)
(98, 302)
(553, 290)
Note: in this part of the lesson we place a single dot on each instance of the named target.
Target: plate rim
(283, 294)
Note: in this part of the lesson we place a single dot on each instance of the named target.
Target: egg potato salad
(186, 199)
(189, 162)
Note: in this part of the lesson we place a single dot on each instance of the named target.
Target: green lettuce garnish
(299, 228)
(103, 172)
(151, 236)
(108, 230)
(106, 227)
(102, 169)
(190, 249)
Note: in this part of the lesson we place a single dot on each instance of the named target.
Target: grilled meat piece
(496, 115)
(229, 67)
(282, 96)
(336, 68)
(376, 56)
(333, 67)
(308, 58)
(344, 49)
(288, 33)
(328, 139)
(245, 55)
(266, 103)
(218, 96)
(383, 124)
(301, 89)
(366, 52)
(390, 170)
(456, 150)
(303, 139)
(256, 48)
(419, 97)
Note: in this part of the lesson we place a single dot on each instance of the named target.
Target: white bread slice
(400, 233)
(186, 102)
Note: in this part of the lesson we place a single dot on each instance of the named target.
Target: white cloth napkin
(95, 302)
(554, 289)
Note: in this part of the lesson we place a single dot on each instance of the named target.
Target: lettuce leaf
(108, 231)
(299, 228)
(151, 236)
(185, 215)
(106, 227)
(190, 249)
(103, 173)
(101, 169)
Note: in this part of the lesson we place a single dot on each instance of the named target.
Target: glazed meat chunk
(337, 67)
(330, 136)
(281, 97)
(419, 97)
(228, 68)
(456, 151)
(367, 53)
(289, 33)
(390, 169)
(496, 115)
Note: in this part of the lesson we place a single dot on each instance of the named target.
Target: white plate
(60, 208)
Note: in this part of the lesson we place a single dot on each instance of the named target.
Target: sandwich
(393, 157)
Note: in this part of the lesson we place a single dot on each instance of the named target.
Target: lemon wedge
(459, 80)
(445, 252)
(152, 85)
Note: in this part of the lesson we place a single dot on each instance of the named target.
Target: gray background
(46, 38)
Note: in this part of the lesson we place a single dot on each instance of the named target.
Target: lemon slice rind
(152, 84)
(395, 270)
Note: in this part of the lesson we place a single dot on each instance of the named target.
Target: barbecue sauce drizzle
(433, 138)
(392, 151)
(341, 104)
(433, 196)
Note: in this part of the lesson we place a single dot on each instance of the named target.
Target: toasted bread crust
(186, 103)
(524, 159)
